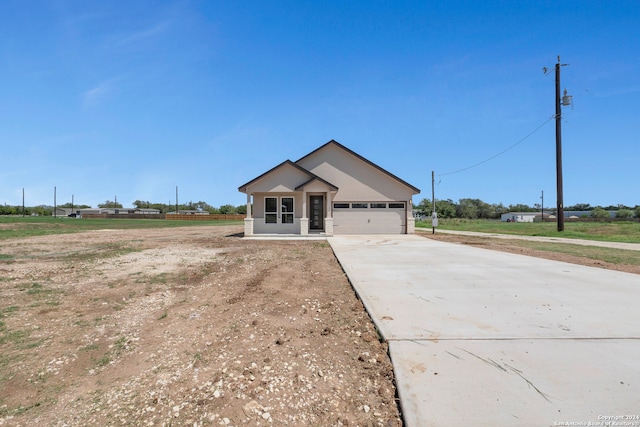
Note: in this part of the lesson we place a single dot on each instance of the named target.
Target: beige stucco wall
(284, 179)
(356, 180)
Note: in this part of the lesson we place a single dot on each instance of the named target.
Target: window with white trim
(279, 210)
(286, 205)
(271, 210)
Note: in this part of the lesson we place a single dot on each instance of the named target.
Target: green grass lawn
(628, 232)
(18, 227)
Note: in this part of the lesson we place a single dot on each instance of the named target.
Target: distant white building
(522, 216)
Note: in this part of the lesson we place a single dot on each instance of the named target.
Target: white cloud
(137, 36)
(99, 92)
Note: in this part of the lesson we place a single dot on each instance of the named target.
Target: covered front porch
(306, 212)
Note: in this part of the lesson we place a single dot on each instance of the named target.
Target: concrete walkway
(486, 338)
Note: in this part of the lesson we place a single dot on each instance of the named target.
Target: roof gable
(317, 179)
(333, 143)
(286, 175)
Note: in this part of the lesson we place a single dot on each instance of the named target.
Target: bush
(600, 213)
(624, 213)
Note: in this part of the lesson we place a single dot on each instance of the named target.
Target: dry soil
(188, 326)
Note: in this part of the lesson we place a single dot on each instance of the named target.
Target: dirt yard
(191, 327)
(185, 327)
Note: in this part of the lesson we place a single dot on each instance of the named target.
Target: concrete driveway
(480, 337)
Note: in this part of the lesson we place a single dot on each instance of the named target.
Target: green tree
(74, 206)
(445, 208)
(485, 210)
(600, 213)
(521, 208)
(227, 209)
(624, 213)
(139, 204)
(42, 210)
(241, 209)
(110, 204)
(10, 210)
(425, 207)
(579, 207)
(499, 209)
(467, 209)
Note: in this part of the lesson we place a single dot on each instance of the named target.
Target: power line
(503, 151)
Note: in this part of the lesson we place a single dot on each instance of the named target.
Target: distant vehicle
(72, 215)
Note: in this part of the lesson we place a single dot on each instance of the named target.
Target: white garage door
(369, 218)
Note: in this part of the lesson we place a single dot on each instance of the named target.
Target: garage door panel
(369, 221)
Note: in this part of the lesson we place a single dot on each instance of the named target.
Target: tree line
(45, 210)
(464, 208)
(477, 209)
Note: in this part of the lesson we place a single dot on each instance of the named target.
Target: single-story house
(331, 190)
(147, 211)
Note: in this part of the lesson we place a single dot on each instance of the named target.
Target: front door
(316, 213)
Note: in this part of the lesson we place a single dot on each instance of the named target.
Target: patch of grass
(16, 337)
(32, 344)
(159, 278)
(106, 250)
(37, 289)
(90, 347)
(625, 232)
(121, 344)
(20, 227)
(5, 257)
(21, 410)
(613, 256)
(163, 316)
(105, 360)
(8, 310)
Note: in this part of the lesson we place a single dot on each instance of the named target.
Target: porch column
(411, 221)
(248, 221)
(328, 221)
(304, 220)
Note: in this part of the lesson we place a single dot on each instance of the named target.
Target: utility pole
(23, 202)
(542, 207)
(434, 215)
(560, 200)
(55, 209)
(176, 199)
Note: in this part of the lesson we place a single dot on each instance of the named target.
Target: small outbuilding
(331, 190)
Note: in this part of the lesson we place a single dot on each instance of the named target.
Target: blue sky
(131, 99)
